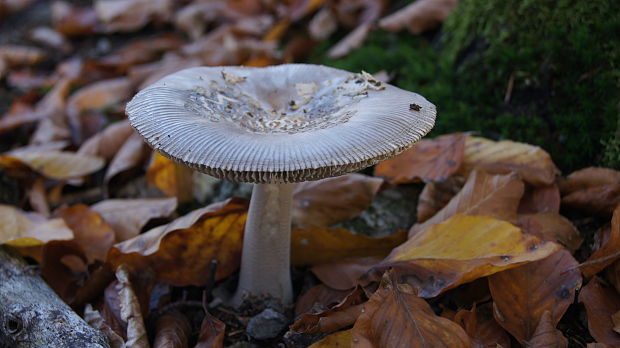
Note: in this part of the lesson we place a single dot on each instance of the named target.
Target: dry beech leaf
(94, 319)
(593, 190)
(353, 40)
(37, 198)
(343, 274)
(608, 252)
(521, 295)
(482, 328)
(328, 201)
(73, 21)
(459, 250)
(188, 243)
(128, 216)
(340, 339)
(483, 194)
(419, 16)
(532, 163)
(552, 227)
(319, 297)
(106, 143)
(601, 302)
(22, 229)
(91, 232)
(546, 335)
(140, 52)
(173, 179)
(60, 165)
(428, 160)
(395, 317)
(130, 155)
(130, 311)
(173, 330)
(323, 24)
(130, 15)
(540, 199)
(435, 196)
(211, 333)
(319, 245)
(301, 8)
(337, 317)
(18, 55)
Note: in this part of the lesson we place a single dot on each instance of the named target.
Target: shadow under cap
(280, 124)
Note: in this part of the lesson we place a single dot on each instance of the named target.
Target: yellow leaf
(21, 229)
(340, 339)
(175, 180)
(500, 157)
(460, 250)
(60, 165)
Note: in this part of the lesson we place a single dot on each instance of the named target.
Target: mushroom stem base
(265, 260)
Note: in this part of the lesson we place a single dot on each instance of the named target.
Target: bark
(32, 315)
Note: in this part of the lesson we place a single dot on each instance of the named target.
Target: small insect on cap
(279, 124)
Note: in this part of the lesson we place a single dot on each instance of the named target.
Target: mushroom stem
(265, 260)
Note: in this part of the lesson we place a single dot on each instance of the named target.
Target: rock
(267, 324)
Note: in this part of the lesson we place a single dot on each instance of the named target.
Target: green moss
(562, 58)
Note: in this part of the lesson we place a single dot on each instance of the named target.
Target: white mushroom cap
(286, 123)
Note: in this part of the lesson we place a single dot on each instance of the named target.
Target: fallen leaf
(73, 21)
(130, 15)
(94, 319)
(140, 51)
(615, 318)
(37, 198)
(19, 55)
(50, 38)
(395, 317)
(211, 333)
(319, 298)
(328, 201)
(608, 252)
(128, 216)
(173, 179)
(540, 199)
(482, 328)
(173, 330)
(601, 302)
(319, 245)
(107, 143)
(546, 335)
(130, 155)
(323, 24)
(592, 190)
(130, 311)
(188, 243)
(301, 8)
(344, 274)
(90, 231)
(419, 16)
(335, 318)
(340, 339)
(521, 295)
(353, 40)
(428, 160)
(436, 195)
(483, 194)
(60, 165)
(459, 250)
(532, 163)
(22, 229)
(551, 227)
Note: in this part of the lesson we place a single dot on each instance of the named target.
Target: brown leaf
(343, 274)
(130, 311)
(341, 315)
(546, 335)
(435, 196)
(552, 227)
(495, 196)
(173, 179)
(353, 40)
(369, 11)
(128, 216)
(532, 163)
(37, 198)
(482, 328)
(540, 199)
(326, 202)
(593, 190)
(419, 16)
(21, 229)
(521, 295)
(91, 232)
(608, 252)
(51, 38)
(428, 160)
(130, 155)
(319, 296)
(340, 339)
(395, 317)
(601, 302)
(106, 143)
(140, 52)
(301, 8)
(60, 165)
(320, 245)
(94, 319)
(73, 21)
(189, 243)
(131, 15)
(323, 24)
(459, 250)
(173, 330)
(211, 333)
(18, 55)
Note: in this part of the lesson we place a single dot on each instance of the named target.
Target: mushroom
(276, 126)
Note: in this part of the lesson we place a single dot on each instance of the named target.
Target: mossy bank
(543, 72)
